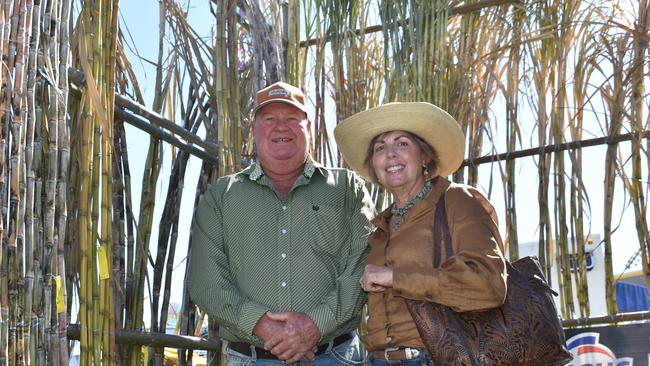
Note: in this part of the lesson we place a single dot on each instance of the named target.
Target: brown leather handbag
(525, 330)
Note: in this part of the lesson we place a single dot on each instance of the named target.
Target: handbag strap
(440, 229)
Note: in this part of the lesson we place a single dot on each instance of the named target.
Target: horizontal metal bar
(609, 140)
(607, 319)
(141, 123)
(157, 340)
(158, 120)
(150, 121)
(458, 10)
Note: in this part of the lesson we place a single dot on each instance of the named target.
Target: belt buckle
(411, 353)
(389, 349)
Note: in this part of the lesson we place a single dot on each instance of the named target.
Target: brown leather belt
(245, 348)
(397, 354)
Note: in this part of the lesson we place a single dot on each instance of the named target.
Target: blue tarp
(631, 297)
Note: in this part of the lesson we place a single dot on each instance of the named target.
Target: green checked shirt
(253, 252)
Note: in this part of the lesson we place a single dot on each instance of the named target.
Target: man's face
(281, 133)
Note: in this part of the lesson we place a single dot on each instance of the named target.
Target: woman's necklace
(400, 213)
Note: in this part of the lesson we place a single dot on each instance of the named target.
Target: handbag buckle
(389, 349)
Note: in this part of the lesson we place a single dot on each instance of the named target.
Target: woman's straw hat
(429, 122)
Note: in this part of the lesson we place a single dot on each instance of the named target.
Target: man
(278, 249)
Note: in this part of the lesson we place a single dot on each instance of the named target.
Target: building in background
(631, 292)
(624, 344)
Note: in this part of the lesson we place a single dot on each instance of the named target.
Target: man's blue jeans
(345, 354)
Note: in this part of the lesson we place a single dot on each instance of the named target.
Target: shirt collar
(255, 171)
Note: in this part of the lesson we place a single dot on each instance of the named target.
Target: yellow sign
(102, 257)
(60, 298)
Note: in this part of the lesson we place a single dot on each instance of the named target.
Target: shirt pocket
(327, 226)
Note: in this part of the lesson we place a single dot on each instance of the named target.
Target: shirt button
(283, 284)
(283, 231)
(284, 208)
(283, 255)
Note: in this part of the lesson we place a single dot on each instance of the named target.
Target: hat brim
(427, 121)
(280, 100)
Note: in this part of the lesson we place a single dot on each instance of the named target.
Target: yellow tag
(102, 257)
(145, 355)
(60, 299)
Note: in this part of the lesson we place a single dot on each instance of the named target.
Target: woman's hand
(376, 278)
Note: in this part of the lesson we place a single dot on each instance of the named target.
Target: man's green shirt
(253, 252)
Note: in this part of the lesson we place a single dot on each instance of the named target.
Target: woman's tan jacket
(474, 278)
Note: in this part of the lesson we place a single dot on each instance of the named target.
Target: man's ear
(310, 139)
(253, 126)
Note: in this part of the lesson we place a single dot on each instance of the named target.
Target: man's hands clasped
(290, 336)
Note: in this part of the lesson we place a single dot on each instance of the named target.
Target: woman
(409, 148)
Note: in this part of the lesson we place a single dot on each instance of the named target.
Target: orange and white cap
(280, 92)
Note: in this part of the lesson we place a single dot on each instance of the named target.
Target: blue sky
(141, 18)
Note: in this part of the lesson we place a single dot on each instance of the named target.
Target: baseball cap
(280, 92)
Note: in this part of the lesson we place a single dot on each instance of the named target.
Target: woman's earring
(425, 171)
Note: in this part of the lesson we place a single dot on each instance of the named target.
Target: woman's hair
(426, 149)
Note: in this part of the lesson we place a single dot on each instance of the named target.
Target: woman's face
(398, 160)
